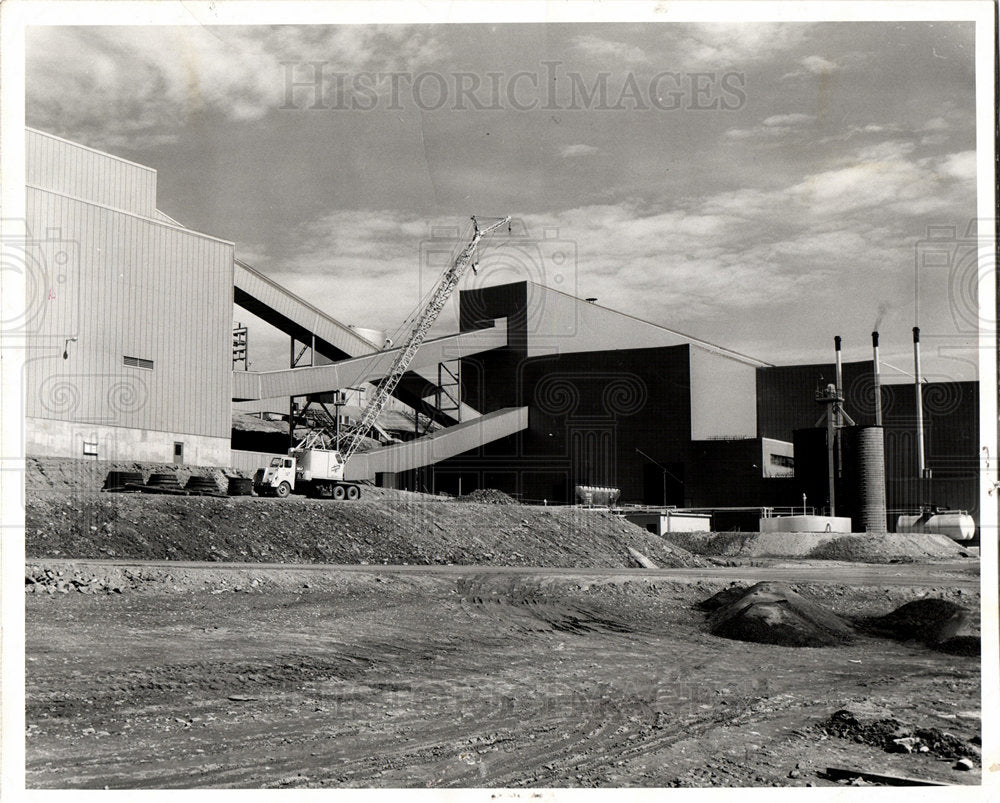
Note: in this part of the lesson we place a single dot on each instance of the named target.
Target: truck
(316, 472)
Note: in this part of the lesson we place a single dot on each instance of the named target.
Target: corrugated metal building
(130, 353)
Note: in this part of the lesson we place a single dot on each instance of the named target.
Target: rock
(904, 745)
(794, 774)
(964, 764)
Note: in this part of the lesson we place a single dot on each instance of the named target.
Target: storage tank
(597, 495)
(864, 478)
(956, 524)
(375, 336)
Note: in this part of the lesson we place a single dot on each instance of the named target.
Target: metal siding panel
(148, 290)
(79, 172)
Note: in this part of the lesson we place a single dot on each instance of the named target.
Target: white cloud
(138, 85)
(729, 45)
(796, 118)
(579, 149)
(601, 48)
(960, 166)
(818, 65)
(776, 125)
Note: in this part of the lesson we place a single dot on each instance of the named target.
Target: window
(288, 463)
(783, 460)
(138, 362)
(276, 462)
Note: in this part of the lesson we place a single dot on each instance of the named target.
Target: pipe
(878, 381)
(840, 374)
(839, 407)
(918, 394)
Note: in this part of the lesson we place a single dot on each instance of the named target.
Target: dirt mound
(489, 496)
(892, 547)
(385, 528)
(772, 613)
(894, 736)
(719, 600)
(931, 621)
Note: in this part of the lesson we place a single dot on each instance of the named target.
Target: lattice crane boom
(446, 284)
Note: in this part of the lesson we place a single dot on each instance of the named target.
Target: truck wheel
(283, 490)
(338, 492)
(353, 492)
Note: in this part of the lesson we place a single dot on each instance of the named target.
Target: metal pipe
(840, 373)
(839, 407)
(918, 394)
(878, 381)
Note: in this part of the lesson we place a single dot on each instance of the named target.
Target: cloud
(818, 65)
(735, 250)
(960, 166)
(580, 149)
(777, 125)
(813, 65)
(600, 48)
(789, 119)
(731, 45)
(139, 85)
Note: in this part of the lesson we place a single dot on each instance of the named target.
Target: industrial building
(132, 358)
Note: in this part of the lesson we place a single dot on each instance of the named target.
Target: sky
(763, 186)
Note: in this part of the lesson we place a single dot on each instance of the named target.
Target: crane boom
(446, 284)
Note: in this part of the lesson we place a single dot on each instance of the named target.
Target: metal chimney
(918, 395)
(840, 375)
(878, 382)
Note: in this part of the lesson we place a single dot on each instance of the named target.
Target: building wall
(53, 438)
(70, 169)
(110, 283)
(723, 396)
(589, 413)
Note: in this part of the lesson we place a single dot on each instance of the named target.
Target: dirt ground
(219, 676)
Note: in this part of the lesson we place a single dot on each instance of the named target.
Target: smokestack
(918, 394)
(840, 375)
(878, 381)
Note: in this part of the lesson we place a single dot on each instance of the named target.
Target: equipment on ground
(319, 471)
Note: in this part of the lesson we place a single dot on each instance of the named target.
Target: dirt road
(255, 676)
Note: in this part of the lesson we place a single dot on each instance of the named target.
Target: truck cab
(279, 476)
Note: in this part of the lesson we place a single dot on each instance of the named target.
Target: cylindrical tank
(956, 524)
(864, 474)
(597, 495)
(375, 336)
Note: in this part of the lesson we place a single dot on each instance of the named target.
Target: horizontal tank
(956, 524)
(376, 337)
(597, 495)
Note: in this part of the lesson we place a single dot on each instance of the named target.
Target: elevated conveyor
(250, 385)
(296, 317)
(440, 445)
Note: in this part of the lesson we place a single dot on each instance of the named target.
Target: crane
(446, 284)
(315, 468)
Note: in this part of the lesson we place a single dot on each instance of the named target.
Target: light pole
(665, 473)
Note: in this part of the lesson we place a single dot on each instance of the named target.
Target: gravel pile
(386, 529)
(888, 548)
(772, 613)
(896, 737)
(489, 496)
